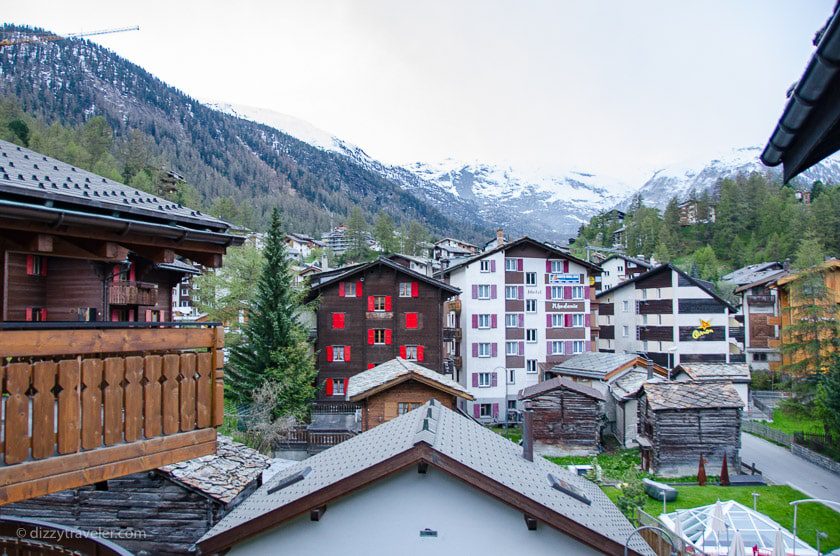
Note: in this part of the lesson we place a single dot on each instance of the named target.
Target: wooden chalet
(567, 417)
(398, 386)
(680, 421)
(96, 382)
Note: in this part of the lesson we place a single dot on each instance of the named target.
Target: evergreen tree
(357, 233)
(272, 346)
(384, 232)
(827, 398)
(413, 237)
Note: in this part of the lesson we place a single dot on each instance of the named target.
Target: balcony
(459, 362)
(454, 305)
(132, 293)
(761, 300)
(451, 334)
(85, 403)
(774, 321)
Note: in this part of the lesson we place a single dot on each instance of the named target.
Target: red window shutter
(389, 337)
(29, 314)
(30, 265)
(148, 315)
(548, 320)
(411, 321)
(415, 289)
(548, 292)
(495, 410)
(347, 353)
(370, 336)
(567, 292)
(114, 315)
(338, 321)
(162, 316)
(328, 387)
(566, 267)
(519, 264)
(43, 315)
(116, 277)
(43, 266)
(494, 320)
(359, 288)
(402, 352)
(329, 353)
(548, 266)
(475, 381)
(387, 302)
(421, 353)
(341, 289)
(132, 273)
(371, 302)
(475, 321)
(370, 366)
(493, 265)
(131, 315)
(476, 411)
(568, 319)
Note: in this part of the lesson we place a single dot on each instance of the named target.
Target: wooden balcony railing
(451, 333)
(761, 300)
(83, 405)
(132, 293)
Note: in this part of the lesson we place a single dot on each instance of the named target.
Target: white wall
(387, 518)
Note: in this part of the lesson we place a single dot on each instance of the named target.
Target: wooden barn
(680, 421)
(567, 417)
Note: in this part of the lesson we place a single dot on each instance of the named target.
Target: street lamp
(820, 535)
(650, 528)
(795, 505)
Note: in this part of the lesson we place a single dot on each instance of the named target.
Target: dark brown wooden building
(372, 313)
(95, 385)
(680, 421)
(567, 417)
(398, 386)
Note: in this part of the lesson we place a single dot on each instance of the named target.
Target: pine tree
(272, 347)
(384, 232)
(357, 233)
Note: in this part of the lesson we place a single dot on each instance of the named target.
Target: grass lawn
(790, 423)
(514, 434)
(774, 502)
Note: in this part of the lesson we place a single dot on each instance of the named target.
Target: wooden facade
(383, 406)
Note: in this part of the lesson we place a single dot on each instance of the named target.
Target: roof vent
(87, 180)
(26, 156)
(290, 480)
(45, 158)
(569, 489)
(55, 167)
(104, 180)
(72, 168)
(34, 177)
(35, 166)
(20, 176)
(41, 185)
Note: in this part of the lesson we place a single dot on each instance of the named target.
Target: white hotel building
(523, 305)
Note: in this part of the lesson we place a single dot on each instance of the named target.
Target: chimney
(325, 262)
(528, 433)
(649, 369)
(500, 236)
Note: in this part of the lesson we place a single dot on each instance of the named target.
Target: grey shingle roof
(593, 364)
(691, 395)
(559, 382)
(223, 475)
(735, 372)
(752, 273)
(629, 383)
(455, 437)
(398, 369)
(30, 174)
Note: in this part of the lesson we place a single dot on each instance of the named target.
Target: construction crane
(44, 37)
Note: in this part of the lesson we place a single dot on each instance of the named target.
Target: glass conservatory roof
(710, 530)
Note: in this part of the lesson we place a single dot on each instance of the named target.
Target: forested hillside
(230, 162)
(757, 219)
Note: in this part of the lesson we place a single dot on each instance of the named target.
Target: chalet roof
(355, 269)
(179, 265)
(829, 265)
(557, 383)
(734, 372)
(640, 262)
(30, 177)
(628, 384)
(521, 241)
(223, 475)
(461, 241)
(396, 371)
(691, 395)
(593, 364)
(702, 284)
(752, 273)
(444, 440)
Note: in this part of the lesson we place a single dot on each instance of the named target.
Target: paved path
(779, 466)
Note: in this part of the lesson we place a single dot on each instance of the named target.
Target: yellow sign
(704, 329)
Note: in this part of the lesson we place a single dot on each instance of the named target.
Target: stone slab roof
(629, 383)
(557, 383)
(734, 372)
(752, 273)
(398, 370)
(593, 364)
(225, 474)
(691, 395)
(431, 427)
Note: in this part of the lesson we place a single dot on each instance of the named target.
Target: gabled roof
(363, 267)
(521, 241)
(766, 278)
(461, 241)
(629, 383)
(702, 284)
(601, 366)
(691, 395)
(751, 273)
(735, 372)
(443, 440)
(557, 383)
(640, 262)
(829, 265)
(397, 371)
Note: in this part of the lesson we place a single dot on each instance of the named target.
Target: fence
(762, 430)
(659, 544)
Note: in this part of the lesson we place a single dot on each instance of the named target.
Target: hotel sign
(556, 278)
(565, 306)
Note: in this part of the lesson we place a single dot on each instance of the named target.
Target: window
(556, 266)
(338, 321)
(411, 353)
(556, 292)
(530, 278)
(644, 319)
(531, 366)
(577, 292)
(484, 291)
(185, 303)
(185, 291)
(349, 289)
(557, 320)
(625, 331)
(644, 294)
(511, 320)
(759, 356)
(556, 348)
(484, 265)
(621, 269)
(379, 336)
(625, 306)
(512, 265)
(338, 353)
(405, 407)
(485, 410)
(511, 376)
(512, 348)
(338, 386)
(577, 320)
(530, 305)
(577, 346)
(379, 303)
(484, 350)
(409, 289)
(511, 292)
(531, 335)
(411, 321)
(484, 321)
(36, 265)
(483, 380)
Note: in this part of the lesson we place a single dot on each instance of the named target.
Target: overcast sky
(619, 88)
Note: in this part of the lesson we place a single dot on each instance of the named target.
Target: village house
(163, 511)
(693, 212)
(760, 309)
(524, 305)
(442, 483)
(620, 268)
(567, 417)
(370, 313)
(736, 374)
(398, 386)
(98, 383)
(680, 421)
(417, 264)
(451, 248)
(618, 378)
(671, 317)
(300, 246)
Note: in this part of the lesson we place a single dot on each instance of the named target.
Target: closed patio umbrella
(736, 547)
(778, 544)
